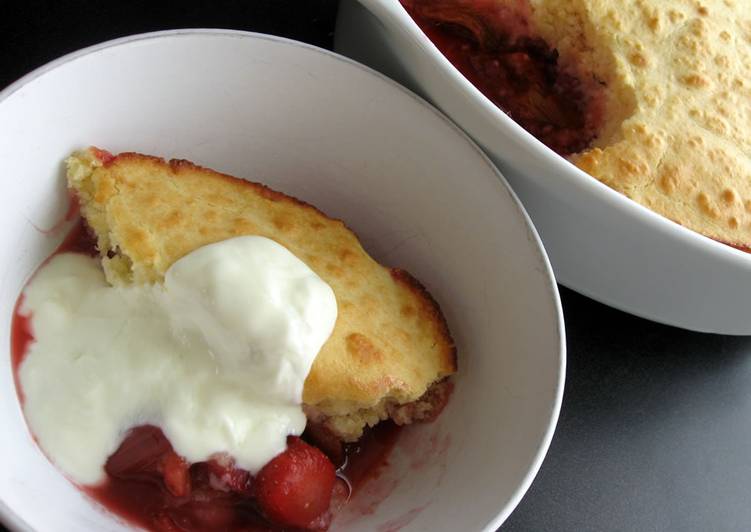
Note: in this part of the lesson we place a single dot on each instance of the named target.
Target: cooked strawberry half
(175, 474)
(146, 454)
(139, 453)
(294, 488)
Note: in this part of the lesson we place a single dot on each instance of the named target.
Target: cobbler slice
(390, 351)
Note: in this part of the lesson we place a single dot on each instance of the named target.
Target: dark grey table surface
(655, 430)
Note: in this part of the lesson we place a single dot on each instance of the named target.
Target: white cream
(216, 357)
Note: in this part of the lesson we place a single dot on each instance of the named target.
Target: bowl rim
(14, 522)
(392, 11)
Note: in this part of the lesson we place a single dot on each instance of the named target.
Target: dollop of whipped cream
(217, 356)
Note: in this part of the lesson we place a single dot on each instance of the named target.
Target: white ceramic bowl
(600, 243)
(419, 193)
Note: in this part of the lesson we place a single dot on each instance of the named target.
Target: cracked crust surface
(390, 341)
(678, 74)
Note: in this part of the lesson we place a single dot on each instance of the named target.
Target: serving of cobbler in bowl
(258, 295)
(621, 125)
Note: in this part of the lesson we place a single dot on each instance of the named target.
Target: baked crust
(678, 110)
(390, 341)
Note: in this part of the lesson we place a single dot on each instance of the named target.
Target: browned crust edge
(431, 307)
(177, 165)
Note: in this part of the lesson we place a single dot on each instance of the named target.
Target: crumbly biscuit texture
(678, 116)
(390, 342)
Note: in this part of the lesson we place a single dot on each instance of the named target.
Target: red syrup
(150, 486)
(367, 458)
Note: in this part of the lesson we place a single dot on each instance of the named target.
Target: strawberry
(175, 473)
(146, 454)
(224, 476)
(339, 497)
(139, 453)
(295, 487)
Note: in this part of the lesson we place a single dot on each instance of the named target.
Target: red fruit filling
(493, 45)
(151, 486)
